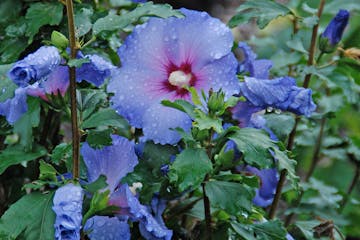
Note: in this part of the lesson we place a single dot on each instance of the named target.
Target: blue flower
(333, 32)
(67, 207)
(35, 66)
(115, 162)
(95, 71)
(268, 182)
(15, 107)
(256, 68)
(281, 93)
(109, 228)
(163, 56)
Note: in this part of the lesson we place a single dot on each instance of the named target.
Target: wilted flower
(115, 162)
(68, 201)
(333, 32)
(162, 57)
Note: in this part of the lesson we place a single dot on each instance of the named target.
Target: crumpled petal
(114, 161)
(130, 205)
(281, 93)
(56, 82)
(67, 207)
(159, 119)
(95, 71)
(35, 66)
(109, 228)
(15, 107)
(243, 111)
(268, 183)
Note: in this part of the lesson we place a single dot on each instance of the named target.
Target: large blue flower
(163, 56)
(68, 206)
(115, 162)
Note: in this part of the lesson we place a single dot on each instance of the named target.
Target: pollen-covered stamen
(179, 78)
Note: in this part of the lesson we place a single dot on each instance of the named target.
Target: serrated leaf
(263, 10)
(115, 22)
(255, 145)
(284, 162)
(280, 124)
(297, 45)
(62, 152)
(31, 215)
(203, 122)
(190, 168)
(229, 196)
(40, 14)
(99, 138)
(82, 21)
(16, 155)
(24, 126)
(268, 230)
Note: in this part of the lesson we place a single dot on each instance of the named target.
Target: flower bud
(59, 40)
(333, 32)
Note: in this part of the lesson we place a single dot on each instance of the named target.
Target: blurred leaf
(11, 48)
(263, 10)
(82, 21)
(115, 22)
(7, 87)
(14, 155)
(77, 62)
(61, 152)
(255, 145)
(24, 126)
(31, 215)
(297, 45)
(280, 124)
(284, 162)
(190, 168)
(310, 21)
(306, 227)
(40, 14)
(9, 9)
(47, 172)
(230, 196)
(268, 230)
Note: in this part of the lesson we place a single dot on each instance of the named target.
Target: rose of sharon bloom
(162, 57)
(333, 32)
(115, 162)
(68, 201)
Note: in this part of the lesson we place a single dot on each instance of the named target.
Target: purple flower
(67, 207)
(95, 71)
(333, 32)
(15, 107)
(163, 56)
(35, 66)
(268, 182)
(138, 1)
(281, 93)
(109, 227)
(256, 68)
(113, 161)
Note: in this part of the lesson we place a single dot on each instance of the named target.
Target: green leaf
(82, 21)
(280, 124)
(115, 22)
(24, 126)
(255, 145)
(15, 155)
(32, 216)
(47, 172)
(9, 9)
(62, 152)
(268, 230)
(11, 48)
(181, 105)
(297, 45)
(40, 14)
(89, 100)
(7, 87)
(99, 138)
(263, 10)
(203, 122)
(306, 227)
(105, 117)
(97, 185)
(284, 162)
(190, 168)
(77, 62)
(229, 196)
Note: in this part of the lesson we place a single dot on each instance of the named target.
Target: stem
(317, 148)
(74, 120)
(351, 187)
(290, 144)
(207, 211)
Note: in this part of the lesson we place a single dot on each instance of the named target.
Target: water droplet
(100, 222)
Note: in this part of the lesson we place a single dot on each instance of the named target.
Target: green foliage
(31, 217)
(263, 230)
(263, 10)
(190, 168)
(115, 22)
(14, 155)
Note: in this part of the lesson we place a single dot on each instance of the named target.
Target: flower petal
(15, 107)
(109, 228)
